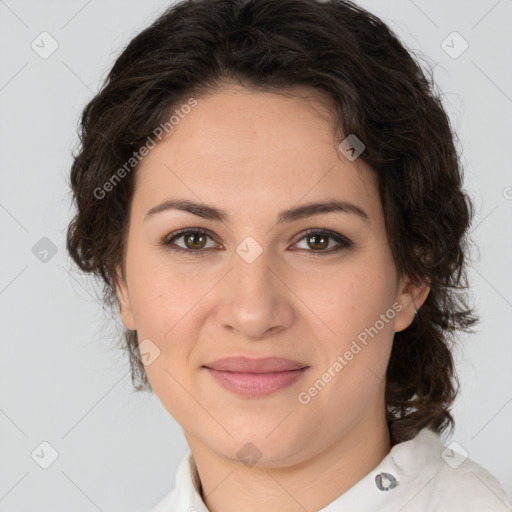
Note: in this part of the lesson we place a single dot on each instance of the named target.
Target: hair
(378, 92)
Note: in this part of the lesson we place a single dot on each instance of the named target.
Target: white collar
(419, 475)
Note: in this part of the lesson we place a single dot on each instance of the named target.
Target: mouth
(263, 365)
(256, 377)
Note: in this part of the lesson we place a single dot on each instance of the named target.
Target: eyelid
(166, 241)
(343, 241)
(338, 237)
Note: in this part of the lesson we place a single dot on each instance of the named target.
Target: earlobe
(123, 298)
(411, 298)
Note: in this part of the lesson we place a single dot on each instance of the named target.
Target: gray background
(61, 380)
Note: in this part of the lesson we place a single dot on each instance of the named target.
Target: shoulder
(468, 485)
(448, 480)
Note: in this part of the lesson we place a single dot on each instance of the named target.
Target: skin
(254, 154)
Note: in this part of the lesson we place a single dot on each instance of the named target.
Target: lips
(258, 365)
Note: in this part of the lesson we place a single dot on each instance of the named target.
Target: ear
(123, 299)
(411, 297)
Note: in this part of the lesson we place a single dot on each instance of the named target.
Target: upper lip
(258, 365)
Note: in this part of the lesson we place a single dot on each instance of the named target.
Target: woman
(271, 193)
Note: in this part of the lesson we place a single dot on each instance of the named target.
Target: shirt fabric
(419, 475)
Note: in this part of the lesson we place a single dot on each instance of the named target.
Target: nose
(254, 300)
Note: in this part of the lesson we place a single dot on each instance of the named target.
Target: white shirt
(419, 475)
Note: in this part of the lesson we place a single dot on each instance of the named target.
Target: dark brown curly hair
(379, 92)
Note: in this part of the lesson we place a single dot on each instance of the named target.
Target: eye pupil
(195, 244)
(324, 241)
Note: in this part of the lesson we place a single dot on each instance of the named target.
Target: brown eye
(318, 242)
(194, 241)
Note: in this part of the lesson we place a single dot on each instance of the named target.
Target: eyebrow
(286, 216)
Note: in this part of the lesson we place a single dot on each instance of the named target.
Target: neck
(313, 483)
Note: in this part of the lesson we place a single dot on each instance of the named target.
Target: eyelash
(168, 241)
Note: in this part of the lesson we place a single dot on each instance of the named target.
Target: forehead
(246, 148)
(235, 121)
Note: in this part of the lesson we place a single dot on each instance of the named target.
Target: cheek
(161, 297)
(169, 309)
(356, 309)
(166, 308)
(350, 299)
(356, 347)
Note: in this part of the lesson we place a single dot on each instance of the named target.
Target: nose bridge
(253, 268)
(253, 300)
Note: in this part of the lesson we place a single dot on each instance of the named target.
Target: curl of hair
(378, 92)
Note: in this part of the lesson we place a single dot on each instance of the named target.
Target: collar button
(385, 481)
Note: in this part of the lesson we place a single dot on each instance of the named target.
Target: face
(308, 287)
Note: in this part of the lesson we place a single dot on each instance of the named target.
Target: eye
(320, 239)
(195, 241)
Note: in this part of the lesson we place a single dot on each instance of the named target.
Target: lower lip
(256, 384)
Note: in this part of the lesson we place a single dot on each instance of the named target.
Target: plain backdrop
(61, 380)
